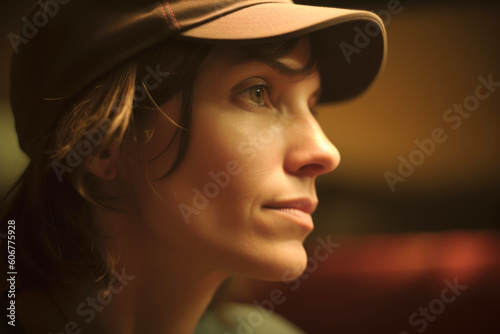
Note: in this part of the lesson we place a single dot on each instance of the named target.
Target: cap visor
(348, 61)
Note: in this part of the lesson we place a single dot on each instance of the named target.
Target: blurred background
(399, 243)
(437, 50)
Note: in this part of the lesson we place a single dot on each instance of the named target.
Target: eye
(256, 95)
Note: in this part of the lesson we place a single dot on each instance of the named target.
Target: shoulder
(234, 318)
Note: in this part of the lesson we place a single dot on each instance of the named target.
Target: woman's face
(242, 198)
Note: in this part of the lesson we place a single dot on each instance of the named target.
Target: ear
(104, 165)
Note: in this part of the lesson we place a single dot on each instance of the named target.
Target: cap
(65, 45)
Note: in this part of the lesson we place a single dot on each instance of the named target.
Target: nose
(310, 152)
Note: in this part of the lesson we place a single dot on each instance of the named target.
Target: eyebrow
(240, 58)
(243, 57)
(281, 68)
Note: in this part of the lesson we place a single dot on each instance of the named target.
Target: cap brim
(350, 44)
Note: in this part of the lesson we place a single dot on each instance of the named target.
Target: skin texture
(254, 153)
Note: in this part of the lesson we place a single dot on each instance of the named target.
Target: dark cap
(65, 45)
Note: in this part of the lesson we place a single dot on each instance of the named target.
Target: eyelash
(267, 89)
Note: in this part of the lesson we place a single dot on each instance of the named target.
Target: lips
(298, 211)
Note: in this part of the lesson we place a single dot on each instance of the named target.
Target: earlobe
(104, 165)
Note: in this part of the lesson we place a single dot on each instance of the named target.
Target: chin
(286, 263)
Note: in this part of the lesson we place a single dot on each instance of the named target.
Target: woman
(172, 145)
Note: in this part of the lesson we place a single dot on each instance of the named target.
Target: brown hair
(52, 200)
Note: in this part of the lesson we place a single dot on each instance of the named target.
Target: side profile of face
(241, 200)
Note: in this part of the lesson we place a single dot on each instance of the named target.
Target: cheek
(213, 172)
(209, 206)
(234, 160)
(206, 187)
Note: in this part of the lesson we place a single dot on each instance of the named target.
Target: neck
(152, 290)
